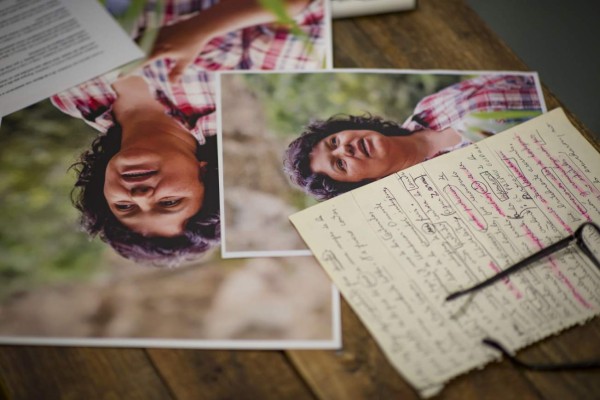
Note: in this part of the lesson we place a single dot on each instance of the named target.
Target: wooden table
(440, 34)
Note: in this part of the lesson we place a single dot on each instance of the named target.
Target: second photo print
(289, 140)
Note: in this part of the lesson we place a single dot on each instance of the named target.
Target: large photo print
(110, 217)
(292, 139)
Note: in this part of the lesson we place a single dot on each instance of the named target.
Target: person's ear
(202, 167)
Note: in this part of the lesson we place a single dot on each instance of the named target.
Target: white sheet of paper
(353, 8)
(397, 247)
(50, 45)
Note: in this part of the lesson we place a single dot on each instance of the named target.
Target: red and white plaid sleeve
(270, 46)
(484, 93)
(262, 47)
(191, 103)
(91, 101)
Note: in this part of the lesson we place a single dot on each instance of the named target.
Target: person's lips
(137, 175)
(364, 147)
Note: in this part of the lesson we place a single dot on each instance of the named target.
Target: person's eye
(340, 164)
(334, 141)
(123, 206)
(169, 203)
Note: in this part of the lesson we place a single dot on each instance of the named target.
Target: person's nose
(141, 191)
(344, 150)
(142, 194)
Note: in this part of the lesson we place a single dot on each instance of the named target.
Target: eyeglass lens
(590, 238)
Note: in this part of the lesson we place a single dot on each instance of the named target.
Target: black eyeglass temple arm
(521, 264)
(576, 366)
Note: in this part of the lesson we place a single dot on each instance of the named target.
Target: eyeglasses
(587, 239)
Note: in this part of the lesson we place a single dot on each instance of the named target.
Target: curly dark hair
(201, 232)
(296, 162)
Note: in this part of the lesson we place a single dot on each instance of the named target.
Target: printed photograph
(292, 139)
(109, 198)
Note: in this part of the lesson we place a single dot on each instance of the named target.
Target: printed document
(47, 46)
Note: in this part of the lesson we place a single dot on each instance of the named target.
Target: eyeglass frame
(561, 244)
(545, 252)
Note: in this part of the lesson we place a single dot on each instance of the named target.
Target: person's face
(154, 193)
(354, 156)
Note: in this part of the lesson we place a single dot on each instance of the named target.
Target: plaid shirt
(192, 102)
(484, 93)
(451, 106)
(262, 47)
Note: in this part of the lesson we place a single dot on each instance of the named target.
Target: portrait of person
(148, 185)
(110, 217)
(325, 133)
(344, 152)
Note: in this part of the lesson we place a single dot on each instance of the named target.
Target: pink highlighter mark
(487, 196)
(551, 176)
(588, 188)
(559, 167)
(466, 207)
(512, 288)
(519, 174)
(554, 161)
(514, 168)
(493, 203)
(529, 152)
(556, 269)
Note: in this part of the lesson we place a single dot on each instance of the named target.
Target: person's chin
(136, 159)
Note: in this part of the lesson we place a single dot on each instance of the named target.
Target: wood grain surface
(440, 34)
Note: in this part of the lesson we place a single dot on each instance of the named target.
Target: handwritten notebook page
(397, 247)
